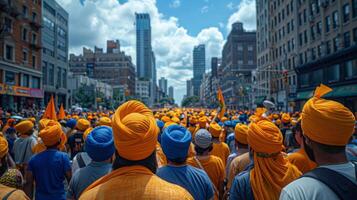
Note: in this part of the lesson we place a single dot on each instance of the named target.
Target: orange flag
(50, 112)
(222, 105)
(61, 114)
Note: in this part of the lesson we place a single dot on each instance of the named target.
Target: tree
(190, 101)
(85, 96)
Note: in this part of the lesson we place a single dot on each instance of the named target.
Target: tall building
(171, 92)
(214, 66)
(163, 85)
(114, 67)
(189, 88)
(20, 54)
(54, 52)
(145, 58)
(238, 61)
(304, 43)
(199, 67)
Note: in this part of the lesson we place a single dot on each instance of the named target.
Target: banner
(21, 91)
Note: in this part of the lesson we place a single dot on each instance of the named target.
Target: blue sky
(177, 26)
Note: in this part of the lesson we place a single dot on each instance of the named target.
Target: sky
(177, 26)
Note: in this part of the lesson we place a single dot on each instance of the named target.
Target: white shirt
(309, 188)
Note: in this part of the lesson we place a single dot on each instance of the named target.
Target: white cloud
(175, 4)
(204, 9)
(245, 13)
(231, 6)
(96, 21)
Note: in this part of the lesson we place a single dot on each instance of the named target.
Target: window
(24, 56)
(9, 52)
(319, 27)
(328, 24)
(354, 8)
(10, 78)
(300, 39)
(333, 73)
(301, 59)
(44, 72)
(51, 74)
(304, 80)
(335, 19)
(351, 69)
(59, 82)
(7, 25)
(335, 44)
(319, 50)
(300, 19)
(250, 48)
(328, 47)
(305, 16)
(49, 9)
(25, 80)
(317, 77)
(292, 43)
(346, 12)
(24, 11)
(34, 17)
(292, 25)
(313, 53)
(305, 36)
(24, 34)
(240, 48)
(312, 29)
(36, 82)
(288, 27)
(61, 32)
(346, 39)
(64, 79)
(355, 35)
(48, 23)
(34, 38)
(34, 61)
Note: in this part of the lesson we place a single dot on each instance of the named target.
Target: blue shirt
(86, 176)
(49, 169)
(194, 180)
(241, 188)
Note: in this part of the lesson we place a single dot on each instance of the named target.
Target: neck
(331, 159)
(176, 164)
(215, 140)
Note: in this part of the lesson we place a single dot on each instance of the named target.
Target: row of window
(48, 74)
(25, 36)
(9, 55)
(331, 74)
(10, 79)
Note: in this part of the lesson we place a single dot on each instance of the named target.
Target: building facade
(20, 54)
(54, 52)
(143, 90)
(199, 67)
(238, 61)
(189, 88)
(113, 67)
(171, 92)
(163, 85)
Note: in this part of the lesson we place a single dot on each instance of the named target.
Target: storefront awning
(341, 91)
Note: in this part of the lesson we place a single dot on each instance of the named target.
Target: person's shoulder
(18, 195)
(162, 170)
(304, 188)
(173, 191)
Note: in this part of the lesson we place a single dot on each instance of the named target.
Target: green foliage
(190, 101)
(84, 96)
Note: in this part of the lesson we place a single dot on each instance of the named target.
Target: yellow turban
(176, 120)
(278, 122)
(285, 118)
(215, 129)
(275, 116)
(201, 114)
(24, 127)
(134, 130)
(82, 124)
(43, 123)
(193, 120)
(202, 122)
(4, 148)
(272, 171)
(86, 133)
(32, 119)
(105, 121)
(240, 133)
(325, 121)
(169, 124)
(165, 119)
(223, 119)
(51, 134)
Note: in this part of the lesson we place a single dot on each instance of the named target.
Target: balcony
(12, 7)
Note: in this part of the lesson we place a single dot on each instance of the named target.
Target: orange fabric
(86, 133)
(39, 147)
(285, 118)
(221, 103)
(4, 147)
(105, 121)
(240, 133)
(325, 121)
(169, 124)
(160, 156)
(43, 123)
(272, 171)
(176, 120)
(215, 129)
(50, 112)
(213, 166)
(202, 122)
(134, 130)
(301, 161)
(82, 124)
(191, 151)
(24, 127)
(61, 113)
(51, 134)
(134, 182)
(238, 164)
(165, 119)
(17, 195)
(221, 150)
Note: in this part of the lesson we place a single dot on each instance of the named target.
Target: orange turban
(24, 127)
(51, 134)
(43, 123)
(223, 119)
(134, 130)
(169, 124)
(176, 120)
(325, 121)
(285, 118)
(272, 171)
(240, 133)
(193, 121)
(105, 121)
(4, 148)
(32, 119)
(165, 119)
(202, 122)
(215, 129)
(278, 122)
(86, 133)
(82, 124)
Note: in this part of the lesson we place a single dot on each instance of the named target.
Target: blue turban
(235, 122)
(71, 123)
(228, 124)
(243, 117)
(175, 141)
(100, 144)
(160, 124)
(220, 123)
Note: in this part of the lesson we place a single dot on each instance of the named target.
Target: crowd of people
(138, 153)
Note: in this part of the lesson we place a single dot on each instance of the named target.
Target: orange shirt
(221, 150)
(134, 182)
(301, 161)
(238, 164)
(17, 195)
(160, 156)
(213, 166)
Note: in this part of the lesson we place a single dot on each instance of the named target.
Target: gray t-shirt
(312, 189)
(85, 176)
(23, 149)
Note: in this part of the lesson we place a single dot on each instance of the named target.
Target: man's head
(203, 142)
(25, 127)
(99, 144)
(52, 135)
(175, 142)
(215, 129)
(327, 125)
(82, 125)
(240, 135)
(105, 121)
(71, 123)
